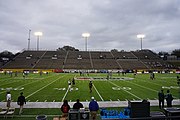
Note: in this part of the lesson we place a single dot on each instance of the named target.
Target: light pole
(38, 34)
(86, 36)
(141, 36)
(29, 39)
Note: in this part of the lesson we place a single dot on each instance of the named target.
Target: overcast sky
(113, 24)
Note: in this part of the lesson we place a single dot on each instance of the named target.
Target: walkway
(101, 104)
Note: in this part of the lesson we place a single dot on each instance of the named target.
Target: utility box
(84, 114)
(139, 109)
(73, 114)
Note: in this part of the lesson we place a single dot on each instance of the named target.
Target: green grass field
(53, 87)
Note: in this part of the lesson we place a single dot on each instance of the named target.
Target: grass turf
(53, 87)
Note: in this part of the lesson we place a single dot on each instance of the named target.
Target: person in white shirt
(8, 98)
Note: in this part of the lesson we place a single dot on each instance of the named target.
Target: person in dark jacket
(93, 107)
(65, 108)
(21, 101)
(169, 98)
(77, 105)
(161, 99)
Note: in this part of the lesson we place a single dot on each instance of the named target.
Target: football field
(53, 87)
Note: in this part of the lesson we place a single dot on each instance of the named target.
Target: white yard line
(8, 83)
(98, 93)
(151, 82)
(143, 87)
(21, 86)
(28, 83)
(44, 87)
(126, 91)
(65, 94)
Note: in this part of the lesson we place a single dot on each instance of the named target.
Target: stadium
(122, 55)
(118, 77)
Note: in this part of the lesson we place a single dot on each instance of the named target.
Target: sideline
(102, 104)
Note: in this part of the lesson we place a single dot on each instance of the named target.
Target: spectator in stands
(77, 105)
(93, 107)
(21, 101)
(161, 99)
(65, 108)
(8, 99)
(169, 99)
(90, 86)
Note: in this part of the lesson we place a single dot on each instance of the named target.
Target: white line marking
(44, 87)
(126, 90)
(54, 100)
(45, 101)
(143, 87)
(98, 93)
(8, 83)
(28, 100)
(37, 100)
(118, 99)
(65, 94)
(28, 83)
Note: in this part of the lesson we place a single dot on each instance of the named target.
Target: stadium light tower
(38, 34)
(86, 36)
(141, 36)
(29, 39)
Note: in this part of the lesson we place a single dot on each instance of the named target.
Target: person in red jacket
(65, 108)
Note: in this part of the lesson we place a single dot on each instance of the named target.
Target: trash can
(84, 114)
(41, 117)
(73, 114)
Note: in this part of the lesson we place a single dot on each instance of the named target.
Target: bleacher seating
(143, 59)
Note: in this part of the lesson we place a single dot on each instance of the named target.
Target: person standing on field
(8, 99)
(21, 101)
(90, 86)
(161, 99)
(69, 85)
(169, 99)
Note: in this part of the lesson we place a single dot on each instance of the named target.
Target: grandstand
(88, 60)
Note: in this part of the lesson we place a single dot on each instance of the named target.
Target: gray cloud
(112, 24)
